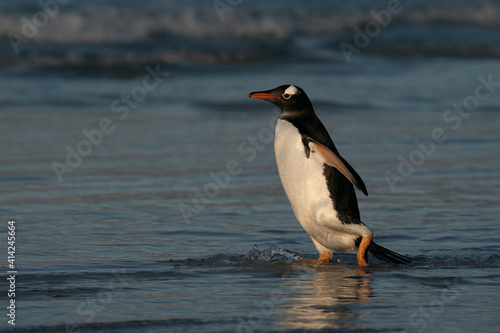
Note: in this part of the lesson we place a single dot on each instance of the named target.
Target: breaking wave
(97, 35)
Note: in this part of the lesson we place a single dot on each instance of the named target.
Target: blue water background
(149, 231)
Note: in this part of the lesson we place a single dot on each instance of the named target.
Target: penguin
(319, 182)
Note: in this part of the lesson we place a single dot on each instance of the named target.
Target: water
(152, 227)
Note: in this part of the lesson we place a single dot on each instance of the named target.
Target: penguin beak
(262, 95)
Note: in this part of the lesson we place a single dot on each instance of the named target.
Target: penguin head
(287, 97)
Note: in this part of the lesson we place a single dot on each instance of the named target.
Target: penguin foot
(324, 258)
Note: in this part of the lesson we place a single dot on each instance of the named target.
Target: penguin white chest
(302, 178)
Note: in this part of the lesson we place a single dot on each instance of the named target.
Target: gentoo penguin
(319, 182)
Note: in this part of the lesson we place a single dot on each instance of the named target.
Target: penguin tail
(387, 255)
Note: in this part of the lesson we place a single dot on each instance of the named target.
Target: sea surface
(142, 180)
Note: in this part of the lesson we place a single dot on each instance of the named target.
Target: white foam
(104, 21)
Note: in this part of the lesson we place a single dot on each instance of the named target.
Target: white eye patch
(292, 90)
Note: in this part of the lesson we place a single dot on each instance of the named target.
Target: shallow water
(151, 230)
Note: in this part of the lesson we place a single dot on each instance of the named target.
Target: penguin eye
(286, 96)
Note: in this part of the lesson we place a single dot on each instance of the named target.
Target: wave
(102, 36)
(106, 21)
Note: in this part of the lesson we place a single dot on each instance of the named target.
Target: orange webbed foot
(324, 258)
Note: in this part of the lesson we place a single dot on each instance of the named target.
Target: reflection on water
(324, 299)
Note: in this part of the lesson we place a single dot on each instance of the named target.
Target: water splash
(273, 254)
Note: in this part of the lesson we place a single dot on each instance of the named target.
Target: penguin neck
(309, 125)
(301, 115)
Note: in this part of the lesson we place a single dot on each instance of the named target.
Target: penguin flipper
(330, 158)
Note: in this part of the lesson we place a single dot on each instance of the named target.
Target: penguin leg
(363, 250)
(324, 258)
(324, 255)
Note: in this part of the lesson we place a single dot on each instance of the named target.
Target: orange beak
(262, 95)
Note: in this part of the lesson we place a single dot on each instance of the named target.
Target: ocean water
(143, 184)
